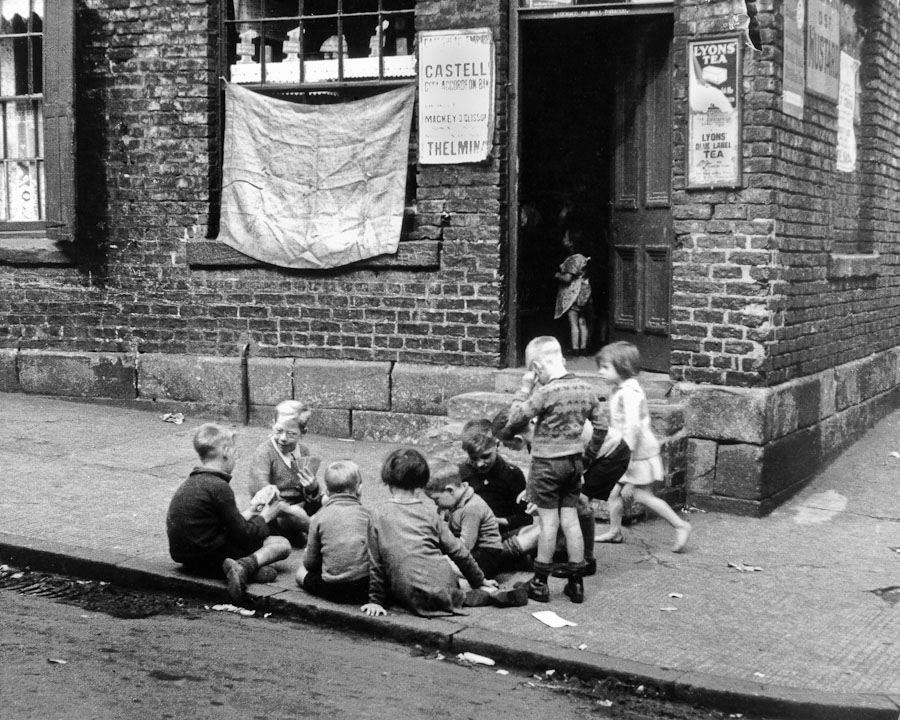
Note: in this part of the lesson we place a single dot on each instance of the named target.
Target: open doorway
(593, 118)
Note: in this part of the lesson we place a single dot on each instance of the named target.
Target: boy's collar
(212, 471)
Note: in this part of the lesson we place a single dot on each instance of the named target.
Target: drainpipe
(245, 383)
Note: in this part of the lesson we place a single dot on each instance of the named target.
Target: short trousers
(355, 592)
(488, 560)
(555, 482)
(602, 475)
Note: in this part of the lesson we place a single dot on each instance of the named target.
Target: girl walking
(619, 363)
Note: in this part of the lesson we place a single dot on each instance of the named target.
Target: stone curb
(712, 691)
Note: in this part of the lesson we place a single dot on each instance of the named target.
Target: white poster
(456, 96)
(846, 135)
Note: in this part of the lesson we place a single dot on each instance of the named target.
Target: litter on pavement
(176, 418)
(741, 567)
(226, 607)
(475, 659)
(548, 617)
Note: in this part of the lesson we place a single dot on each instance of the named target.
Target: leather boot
(574, 589)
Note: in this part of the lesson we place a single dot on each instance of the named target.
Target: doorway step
(667, 421)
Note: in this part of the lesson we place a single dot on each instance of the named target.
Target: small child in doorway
(468, 515)
(336, 563)
(620, 363)
(208, 534)
(286, 463)
(407, 544)
(573, 298)
(560, 403)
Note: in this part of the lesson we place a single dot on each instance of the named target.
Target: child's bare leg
(664, 510)
(548, 519)
(572, 317)
(274, 548)
(568, 519)
(616, 508)
(583, 331)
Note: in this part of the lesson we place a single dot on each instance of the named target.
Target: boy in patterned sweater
(560, 404)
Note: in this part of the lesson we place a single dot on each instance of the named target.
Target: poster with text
(456, 96)
(794, 70)
(714, 113)
(823, 47)
(848, 112)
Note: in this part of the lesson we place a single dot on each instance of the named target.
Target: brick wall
(147, 103)
(776, 280)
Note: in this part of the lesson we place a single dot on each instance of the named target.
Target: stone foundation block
(343, 384)
(789, 460)
(723, 413)
(425, 389)
(739, 471)
(477, 405)
(102, 375)
(270, 380)
(207, 379)
(393, 427)
(701, 465)
(9, 374)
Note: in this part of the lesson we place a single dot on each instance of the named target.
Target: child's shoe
(237, 573)
(574, 590)
(517, 597)
(266, 574)
(538, 590)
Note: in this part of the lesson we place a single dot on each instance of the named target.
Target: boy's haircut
(541, 347)
(477, 436)
(442, 475)
(405, 468)
(291, 408)
(209, 440)
(624, 357)
(342, 476)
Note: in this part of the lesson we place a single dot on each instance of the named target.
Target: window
(37, 201)
(308, 42)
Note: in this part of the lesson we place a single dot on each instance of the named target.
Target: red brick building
(731, 167)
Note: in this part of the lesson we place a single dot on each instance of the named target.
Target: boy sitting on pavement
(336, 563)
(497, 481)
(284, 462)
(560, 403)
(469, 517)
(208, 534)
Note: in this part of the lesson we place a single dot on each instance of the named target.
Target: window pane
(23, 191)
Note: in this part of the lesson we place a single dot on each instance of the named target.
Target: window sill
(848, 266)
(418, 254)
(25, 249)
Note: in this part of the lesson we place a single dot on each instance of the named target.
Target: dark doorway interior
(567, 110)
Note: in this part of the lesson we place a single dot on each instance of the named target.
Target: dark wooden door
(641, 219)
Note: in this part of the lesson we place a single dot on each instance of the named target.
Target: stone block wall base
(750, 449)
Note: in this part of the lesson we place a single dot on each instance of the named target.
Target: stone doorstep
(657, 386)
(666, 419)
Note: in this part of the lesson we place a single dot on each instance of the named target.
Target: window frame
(48, 242)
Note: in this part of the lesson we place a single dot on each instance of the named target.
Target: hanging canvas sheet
(314, 186)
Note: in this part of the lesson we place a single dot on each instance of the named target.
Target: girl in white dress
(619, 363)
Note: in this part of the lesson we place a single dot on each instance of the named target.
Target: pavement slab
(86, 486)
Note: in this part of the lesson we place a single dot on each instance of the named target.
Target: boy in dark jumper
(208, 534)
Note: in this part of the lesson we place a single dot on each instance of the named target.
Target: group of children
(479, 514)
